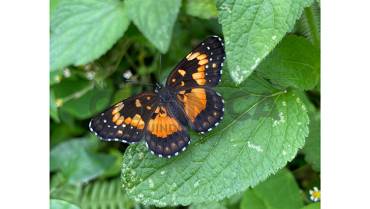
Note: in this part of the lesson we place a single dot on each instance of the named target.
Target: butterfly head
(165, 95)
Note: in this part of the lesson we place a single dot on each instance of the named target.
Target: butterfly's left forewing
(126, 120)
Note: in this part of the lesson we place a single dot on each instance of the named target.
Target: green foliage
(155, 19)
(77, 162)
(312, 206)
(270, 85)
(99, 194)
(312, 147)
(83, 30)
(60, 204)
(295, 63)
(201, 8)
(104, 194)
(252, 28)
(277, 192)
(80, 98)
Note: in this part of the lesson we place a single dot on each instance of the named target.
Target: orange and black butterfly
(163, 117)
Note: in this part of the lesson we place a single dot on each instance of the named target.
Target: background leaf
(81, 98)
(312, 146)
(77, 162)
(263, 129)
(295, 62)
(155, 19)
(252, 28)
(279, 191)
(61, 204)
(83, 30)
(312, 206)
(201, 8)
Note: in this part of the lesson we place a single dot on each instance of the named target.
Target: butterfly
(163, 117)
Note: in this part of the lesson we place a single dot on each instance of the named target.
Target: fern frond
(104, 195)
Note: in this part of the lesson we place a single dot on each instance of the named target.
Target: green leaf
(312, 206)
(252, 28)
(155, 19)
(312, 146)
(81, 98)
(208, 205)
(295, 62)
(201, 8)
(262, 129)
(61, 204)
(83, 30)
(77, 161)
(104, 194)
(309, 24)
(55, 77)
(280, 191)
(53, 108)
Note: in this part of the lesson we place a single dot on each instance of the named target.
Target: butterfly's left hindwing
(201, 67)
(126, 120)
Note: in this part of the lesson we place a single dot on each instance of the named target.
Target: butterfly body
(162, 117)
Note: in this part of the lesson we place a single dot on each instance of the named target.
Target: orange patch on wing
(118, 107)
(120, 120)
(194, 102)
(128, 120)
(135, 120)
(201, 69)
(199, 78)
(163, 125)
(201, 82)
(192, 56)
(203, 62)
(115, 117)
(198, 75)
(202, 56)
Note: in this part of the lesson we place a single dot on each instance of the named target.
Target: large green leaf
(252, 28)
(208, 205)
(277, 192)
(312, 206)
(201, 8)
(312, 146)
(83, 30)
(155, 19)
(295, 62)
(61, 204)
(77, 161)
(263, 128)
